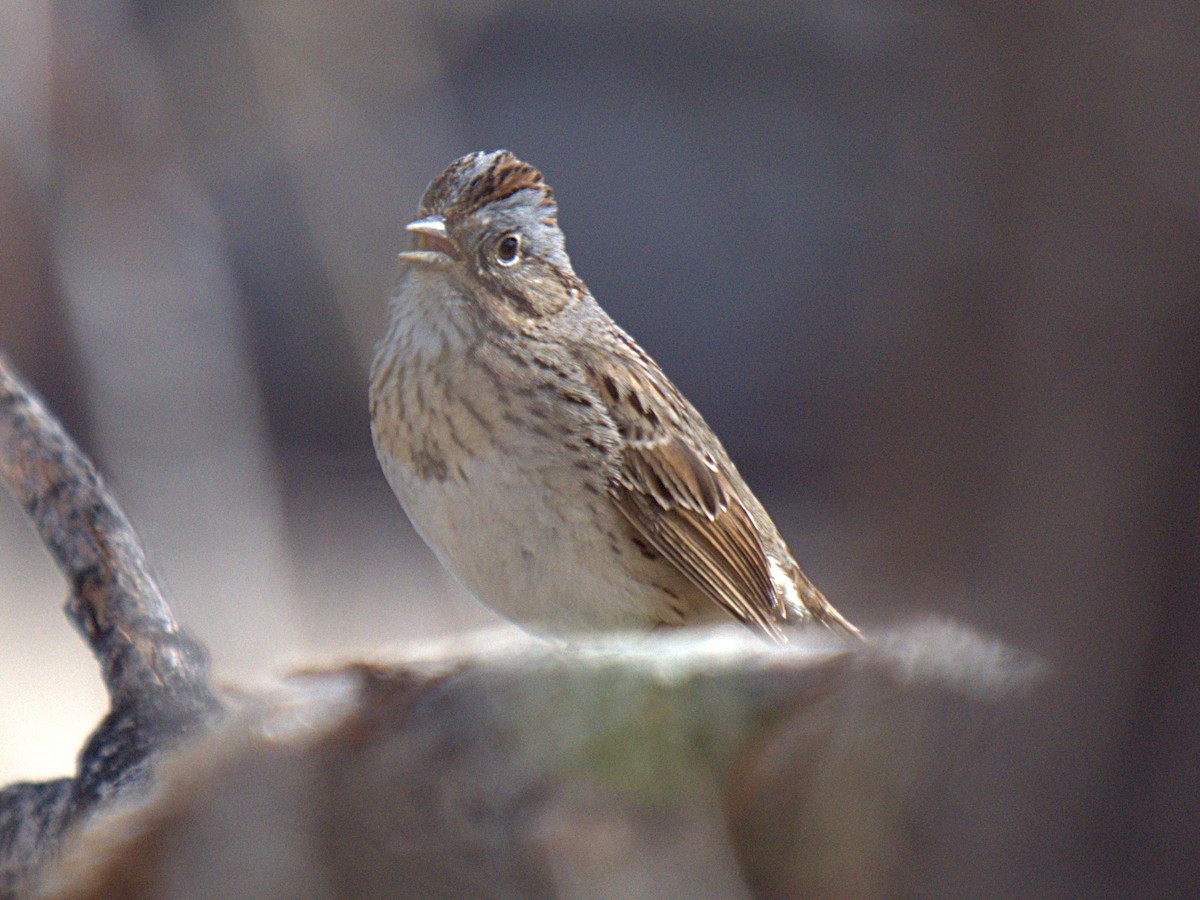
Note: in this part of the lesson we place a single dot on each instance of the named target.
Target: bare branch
(156, 677)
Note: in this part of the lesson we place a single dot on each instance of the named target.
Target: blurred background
(931, 270)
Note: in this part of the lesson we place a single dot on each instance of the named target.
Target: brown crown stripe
(504, 177)
(458, 192)
(441, 188)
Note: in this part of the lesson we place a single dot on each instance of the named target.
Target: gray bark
(156, 677)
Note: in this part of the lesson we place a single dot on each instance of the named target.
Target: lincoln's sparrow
(546, 459)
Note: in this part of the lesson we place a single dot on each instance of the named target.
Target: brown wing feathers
(678, 499)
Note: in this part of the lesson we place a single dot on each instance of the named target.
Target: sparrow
(541, 453)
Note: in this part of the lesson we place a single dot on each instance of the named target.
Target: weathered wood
(156, 677)
(700, 764)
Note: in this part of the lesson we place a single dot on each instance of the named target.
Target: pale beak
(433, 243)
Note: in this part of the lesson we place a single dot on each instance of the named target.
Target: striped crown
(478, 179)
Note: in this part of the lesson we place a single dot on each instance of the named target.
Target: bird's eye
(508, 250)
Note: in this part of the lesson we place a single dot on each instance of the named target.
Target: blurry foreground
(696, 765)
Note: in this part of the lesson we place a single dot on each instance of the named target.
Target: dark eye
(508, 250)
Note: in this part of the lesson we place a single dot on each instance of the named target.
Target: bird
(544, 457)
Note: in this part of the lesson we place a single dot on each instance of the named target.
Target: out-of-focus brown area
(930, 270)
(692, 764)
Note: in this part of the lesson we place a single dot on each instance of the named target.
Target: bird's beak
(433, 243)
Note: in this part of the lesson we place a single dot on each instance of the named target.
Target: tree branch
(156, 676)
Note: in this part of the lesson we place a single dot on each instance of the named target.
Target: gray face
(501, 229)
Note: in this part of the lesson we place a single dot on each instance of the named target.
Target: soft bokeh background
(932, 270)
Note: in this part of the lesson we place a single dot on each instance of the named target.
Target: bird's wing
(677, 495)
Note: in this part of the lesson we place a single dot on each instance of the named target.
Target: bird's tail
(821, 610)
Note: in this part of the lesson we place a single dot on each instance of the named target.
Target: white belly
(526, 537)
